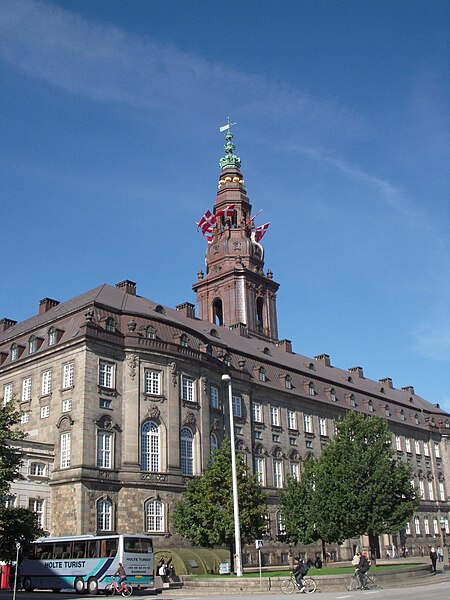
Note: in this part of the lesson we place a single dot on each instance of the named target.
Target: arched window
(104, 515)
(187, 451)
(150, 442)
(217, 310)
(311, 389)
(14, 352)
(214, 444)
(154, 516)
(32, 344)
(259, 313)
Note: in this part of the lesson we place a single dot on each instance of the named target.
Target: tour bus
(87, 562)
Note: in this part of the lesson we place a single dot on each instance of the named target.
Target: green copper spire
(230, 160)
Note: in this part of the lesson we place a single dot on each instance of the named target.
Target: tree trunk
(231, 557)
(324, 553)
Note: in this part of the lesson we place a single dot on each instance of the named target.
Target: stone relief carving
(132, 365)
(190, 419)
(174, 373)
(154, 413)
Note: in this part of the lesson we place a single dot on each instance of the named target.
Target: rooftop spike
(230, 160)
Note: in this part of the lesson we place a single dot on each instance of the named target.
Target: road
(432, 591)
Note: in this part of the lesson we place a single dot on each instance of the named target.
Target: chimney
(388, 382)
(46, 304)
(187, 309)
(129, 287)
(324, 359)
(6, 324)
(358, 371)
(241, 328)
(408, 388)
(285, 345)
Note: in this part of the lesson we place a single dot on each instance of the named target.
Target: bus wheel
(27, 585)
(92, 586)
(79, 585)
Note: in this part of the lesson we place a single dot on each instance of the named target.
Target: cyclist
(300, 570)
(361, 569)
(120, 573)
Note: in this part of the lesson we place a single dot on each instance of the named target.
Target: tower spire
(230, 159)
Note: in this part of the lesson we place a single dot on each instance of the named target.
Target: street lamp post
(237, 532)
(16, 570)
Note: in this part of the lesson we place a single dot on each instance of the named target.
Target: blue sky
(109, 114)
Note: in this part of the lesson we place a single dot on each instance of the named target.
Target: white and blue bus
(87, 562)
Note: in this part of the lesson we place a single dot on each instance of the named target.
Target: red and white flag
(207, 222)
(260, 231)
(227, 212)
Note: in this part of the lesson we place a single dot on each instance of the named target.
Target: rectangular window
(24, 417)
(37, 469)
(276, 437)
(7, 393)
(295, 471)
(259, 469)
(441, 491)
(408, 528)
(435, 526)
(293, 441)
(277, 473)
(256, 412)
(104, 445)
(67, 376)
(426, 526)
(417, 446)
(437, 451)
(257, 435)
(106, 374)
(214, 396)
(408, 445)
(292, 419)
(307, 423)
(37, 506)
(65, 450)
(275, 416)
(187, 389)
(430, 490)
(417, 525)
(67, 405)
(45, 411)
(398, 443)
(46, 383)
(105, 403)
(421, 488)
(308, 444)
(26, 389)
(446, 526)
(237, 406)
(238, 429)
(152, 382)
(426, 449)
(323, 426)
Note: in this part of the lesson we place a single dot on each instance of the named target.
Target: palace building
(123, 400)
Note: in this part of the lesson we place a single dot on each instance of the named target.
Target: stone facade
(125, 399)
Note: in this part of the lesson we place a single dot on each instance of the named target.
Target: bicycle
(369, 582)
(289, 585)
(113, 588)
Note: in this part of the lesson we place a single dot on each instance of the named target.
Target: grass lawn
(315, 572)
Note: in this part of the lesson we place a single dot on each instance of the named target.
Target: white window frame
(426, 525)
(106, 374)
(24, 417)
(214, 396)
(46, 388)
(417, 447)
(275, 416)
(257, 412)
(292, 420)
(421, 488)
(259, 469)
(104, 514)
(430, 489)
(408, 528)
(66, 405)
(426, 449)
(8, 393)
(37, 506)
(408, 445)
(187, 388)
(26, 389)
(152, 382)
(65, 441)
(277, 473)
(437, 451)
(187, 451)
(37, 469)
(104, 449)
(155, 516)
(150, 447)
(68, 371)
(307, 423)
(45, 411)
(398, 443)
(295, 470)
(322, 426)
(441, 491)
(237, 406)
(417, 525)
(435, 526)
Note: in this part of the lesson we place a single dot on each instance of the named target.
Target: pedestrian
(162, 572)
(433, 558)
(440, 554)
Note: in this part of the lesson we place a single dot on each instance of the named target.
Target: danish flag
(260, 231)
(207, 222)
(227, 212)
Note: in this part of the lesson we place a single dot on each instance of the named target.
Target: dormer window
(227, 360)
(352, 400)
(160, 309)
(52, 336)
(350, 379)
(333, 397)
(150, 333)
(110, 325)
(288, 382)
(416, 419)
(402, 415)
(14, 352)
(387, 411)
(311, 366)
(262, 374)
(32, 344)
(311, 389)
(184, 341)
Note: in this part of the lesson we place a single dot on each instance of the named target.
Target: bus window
(111, 547)
(62, 550)
(94, 548)
(79, 550)
(137, 545)
(146, 545)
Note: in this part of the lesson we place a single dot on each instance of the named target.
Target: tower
(235, 291)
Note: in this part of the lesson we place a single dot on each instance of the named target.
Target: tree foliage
(16, 524)
(205, 514)
(359, 487)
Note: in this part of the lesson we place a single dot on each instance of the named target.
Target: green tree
(16, 524)
(357, 487)
(205, 514)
